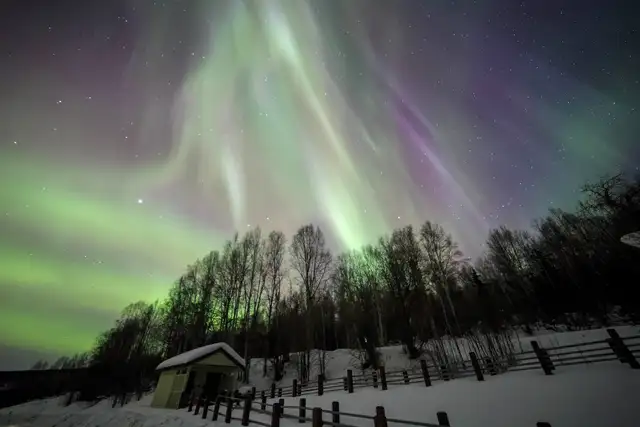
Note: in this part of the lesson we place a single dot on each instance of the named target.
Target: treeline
(269, 297)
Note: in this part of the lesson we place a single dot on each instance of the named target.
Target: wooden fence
(624, 349)
(278, 410)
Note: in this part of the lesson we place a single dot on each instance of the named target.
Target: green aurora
(129, 154)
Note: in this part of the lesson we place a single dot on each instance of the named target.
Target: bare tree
(441, 261)
(274, 272)
(232, 280)
(311, 260)
(400, 256)
(354, 280)
(251, 243)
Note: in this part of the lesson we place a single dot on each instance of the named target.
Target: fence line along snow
(279, 411)
(624, 349)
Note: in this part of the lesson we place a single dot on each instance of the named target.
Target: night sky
(135, 136)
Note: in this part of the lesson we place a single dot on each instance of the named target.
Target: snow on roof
(200, 352)
(632, 239)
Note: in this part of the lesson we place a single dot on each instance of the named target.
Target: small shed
(209, 370)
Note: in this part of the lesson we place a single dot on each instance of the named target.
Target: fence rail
(278, 410)
(624, 349)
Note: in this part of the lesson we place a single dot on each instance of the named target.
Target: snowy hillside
(586, 395)
(579, 396)
(393, 358)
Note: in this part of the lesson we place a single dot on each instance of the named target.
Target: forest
(269, 296)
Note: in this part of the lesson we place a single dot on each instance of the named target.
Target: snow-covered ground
(598, 395)
(394, 360)
(594, 395)
(50, 413)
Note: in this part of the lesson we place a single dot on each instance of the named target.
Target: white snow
(394, 360)
(48, 412)
(632, 239)
(197, 353)
(588, 395)
(598, 395)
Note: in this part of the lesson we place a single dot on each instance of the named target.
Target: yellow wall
(171, 384)
(163, 389)
(179, 384)
(170, 387)
(217, 359)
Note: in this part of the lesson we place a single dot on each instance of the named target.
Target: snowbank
(595, 395)
(48, 412)
(581, 396)
(394, 359)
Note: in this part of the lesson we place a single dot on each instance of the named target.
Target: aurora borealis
(136, 136)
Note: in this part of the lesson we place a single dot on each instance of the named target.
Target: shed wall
(218, 359)
(172, 382)
(179, 384)
(163, 389)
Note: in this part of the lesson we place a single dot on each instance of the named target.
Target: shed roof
(199, 353)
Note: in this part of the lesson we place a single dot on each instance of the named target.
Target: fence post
(273, 390)
(445, 372)
(198, 403)
(344, 383)
(621, 350)
(227, 415)
(425, 372)
(281, 404)
(205, 408)
(216, 408)
(316, 417)
(543, 358)
(335, 412)
(294, 387)
(443, 419)
(299, 389)
(246, 411)
(476, 366)
(253, 393)
(380, 419)
(349, 380)
(302, 412)
(545, 353)
(279, 391)
(275, 415)
(491, 366)
(405, 377)
(374, 375)
(263, 400)
(320, 385)
(383, 378)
